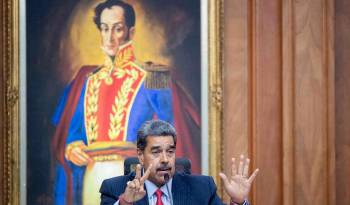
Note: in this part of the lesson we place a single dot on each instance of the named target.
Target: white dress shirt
(151, 193)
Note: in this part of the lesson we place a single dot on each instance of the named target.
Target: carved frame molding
(9, 102)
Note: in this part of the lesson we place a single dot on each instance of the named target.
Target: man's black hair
(129, 12)
(154, 128)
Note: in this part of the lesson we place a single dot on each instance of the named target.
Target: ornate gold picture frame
(11, 94)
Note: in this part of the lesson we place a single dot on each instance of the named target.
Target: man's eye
(119, 29)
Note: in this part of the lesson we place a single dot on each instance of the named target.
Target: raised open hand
(135, 190)
(238, 186)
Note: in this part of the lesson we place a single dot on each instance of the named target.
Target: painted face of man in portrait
(114, 31)
(160, 152)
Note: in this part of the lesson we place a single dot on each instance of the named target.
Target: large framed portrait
(83, 76)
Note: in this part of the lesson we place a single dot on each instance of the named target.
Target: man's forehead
(160, 141)
(112, 15)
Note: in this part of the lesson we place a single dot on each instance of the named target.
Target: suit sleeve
(107, 197)
(112, 188)
(215, 200)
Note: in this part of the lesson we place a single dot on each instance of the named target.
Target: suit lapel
(143, 201)
(180, 191)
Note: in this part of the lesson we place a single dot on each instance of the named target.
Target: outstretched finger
(224, 179)
(246, 168)
(252, 177)
(233, 167)
(241, 165)
(138, 171)
(146, 174)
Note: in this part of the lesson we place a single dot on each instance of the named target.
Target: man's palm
(238, 186)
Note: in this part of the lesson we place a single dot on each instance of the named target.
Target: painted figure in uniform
(102, 109)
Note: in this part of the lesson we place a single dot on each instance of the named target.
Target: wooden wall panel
(342, 98)
(252, 91)
(266, 99)
(311, 103)
(282, 97)
(288, 104)
(236, 76)
(235, 122)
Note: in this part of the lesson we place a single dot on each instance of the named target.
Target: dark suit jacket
(186, 189)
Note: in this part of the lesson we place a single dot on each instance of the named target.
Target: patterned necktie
(159, 194)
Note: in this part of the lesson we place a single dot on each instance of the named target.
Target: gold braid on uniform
(91, 108)
(158, 76)
(120, 101)
(94, 83)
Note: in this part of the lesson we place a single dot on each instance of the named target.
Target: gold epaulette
(158, 76)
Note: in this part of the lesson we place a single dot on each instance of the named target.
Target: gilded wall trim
(215, 90)
(9, 103)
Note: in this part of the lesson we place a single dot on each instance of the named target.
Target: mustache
(163, 168)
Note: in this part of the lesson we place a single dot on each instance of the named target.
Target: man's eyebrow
(118, 23)
(114, 24)
(155, 147)
(172, 147)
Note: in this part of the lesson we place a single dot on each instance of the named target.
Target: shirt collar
(152, 188)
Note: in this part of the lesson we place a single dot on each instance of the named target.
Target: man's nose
(164, 158)
(110, 36)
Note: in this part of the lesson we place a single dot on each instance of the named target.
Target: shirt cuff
(245, 202)
(116, 203)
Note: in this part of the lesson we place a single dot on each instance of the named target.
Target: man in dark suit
(160, 185)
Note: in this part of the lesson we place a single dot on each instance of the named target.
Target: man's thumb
(224, 179)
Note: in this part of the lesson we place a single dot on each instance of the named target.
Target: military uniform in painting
(101, 110)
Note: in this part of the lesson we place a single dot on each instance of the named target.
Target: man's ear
(140, 156)
(131, 33)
